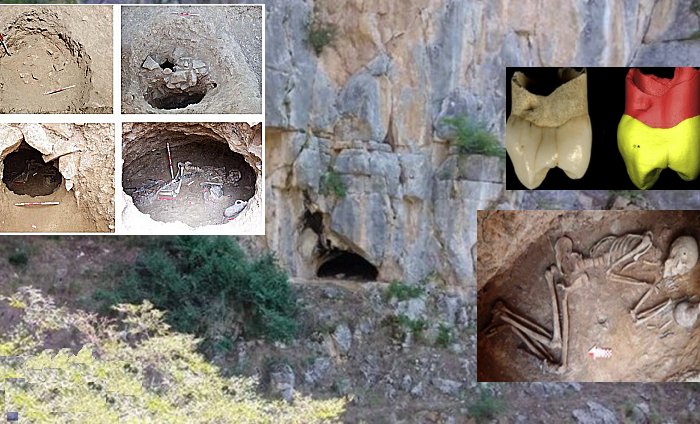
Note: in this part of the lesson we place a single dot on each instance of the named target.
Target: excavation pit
(208, 177)
(346, 265)
(163, 98)
(56, 178)
(44, 58)
(176, 82)
(193, 64)
(607, 310)
(26, 173)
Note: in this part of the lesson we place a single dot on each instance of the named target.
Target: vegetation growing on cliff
(332, 184)
(474, 138)
(210, 289)
(321, 33)
(133, 370)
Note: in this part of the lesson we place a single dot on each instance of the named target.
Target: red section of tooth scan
(661, 102)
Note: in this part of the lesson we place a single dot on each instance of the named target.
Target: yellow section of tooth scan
(647, 151)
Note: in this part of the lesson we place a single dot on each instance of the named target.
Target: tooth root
(574, 140)
(523, 140)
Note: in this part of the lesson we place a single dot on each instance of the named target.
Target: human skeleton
(614, 254)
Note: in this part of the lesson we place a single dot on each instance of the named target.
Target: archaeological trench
(71, 164)
(60, 59)
(216, 180)
(588, 296)
(199, 62)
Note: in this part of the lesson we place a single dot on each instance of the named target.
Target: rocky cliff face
(371, 107)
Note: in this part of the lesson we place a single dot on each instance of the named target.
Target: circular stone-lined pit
(43, 58)
(175, 80)
(212, 178)
(26, 173)
(195, 64)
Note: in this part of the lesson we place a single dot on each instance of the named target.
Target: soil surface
(51, 48)
(223, 44)
(197, 203)
(599, 309)
(64, 217)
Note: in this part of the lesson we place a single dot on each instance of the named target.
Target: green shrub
(332, 184)
(486, 407)
(474, 138)
(399, 326)
(321, 33)
(403, 291)
(135, 370)
(444, 336)
(210, 289)
(19, 258)
(695, 7)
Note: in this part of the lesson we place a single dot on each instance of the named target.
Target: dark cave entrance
(211, 179)
(25, 172)
(314, 221)
(347, 265)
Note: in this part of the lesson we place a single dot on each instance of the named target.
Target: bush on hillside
(133, 370)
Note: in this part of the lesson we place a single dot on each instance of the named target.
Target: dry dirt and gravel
(55, 47)
(348, 348)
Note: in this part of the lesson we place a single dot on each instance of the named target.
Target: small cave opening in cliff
(314, 221)
(346, 265)
(25, 172)
(209, 185)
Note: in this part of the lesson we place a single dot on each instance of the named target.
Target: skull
(682, 258)
(686, 314)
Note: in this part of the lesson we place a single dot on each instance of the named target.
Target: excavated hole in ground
(346, 265)
(179, 80)
(44, 58)
(26, 173)
(197, 203)
(161, 97)
(599, 310)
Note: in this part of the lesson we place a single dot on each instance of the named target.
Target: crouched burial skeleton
(613, 254)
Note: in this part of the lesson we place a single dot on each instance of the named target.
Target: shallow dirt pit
(52, 67)
(191, 60)
(599, 307)
(216, 175)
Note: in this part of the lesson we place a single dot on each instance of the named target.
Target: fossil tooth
(550, 131)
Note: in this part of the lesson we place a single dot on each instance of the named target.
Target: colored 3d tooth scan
(661, 125)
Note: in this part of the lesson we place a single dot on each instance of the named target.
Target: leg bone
(652, 312)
